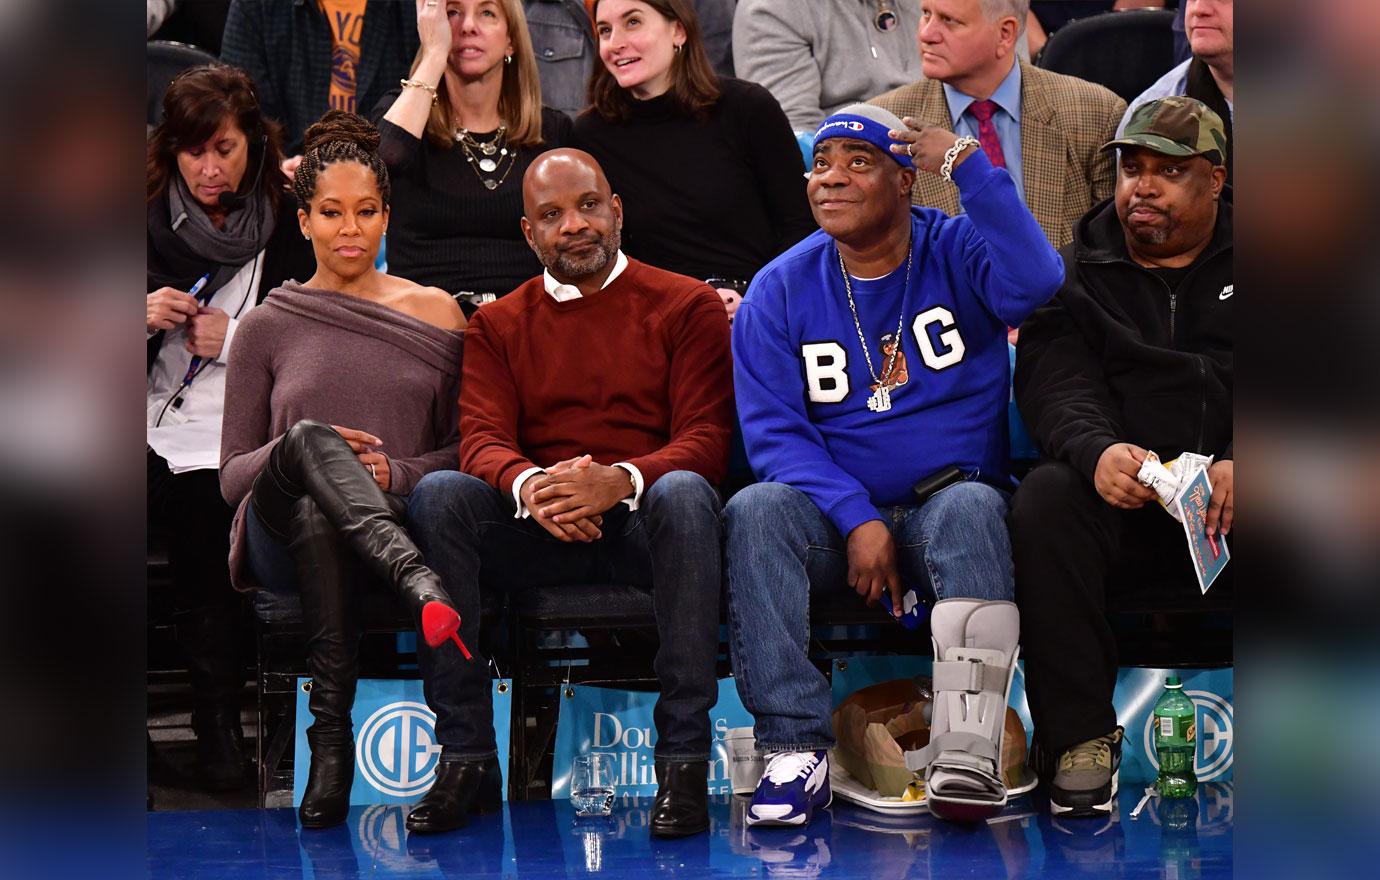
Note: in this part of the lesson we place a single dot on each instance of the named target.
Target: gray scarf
(246, 232)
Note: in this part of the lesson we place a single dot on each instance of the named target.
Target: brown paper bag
(875, 726)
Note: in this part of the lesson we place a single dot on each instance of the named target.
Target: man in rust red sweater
(595, 413)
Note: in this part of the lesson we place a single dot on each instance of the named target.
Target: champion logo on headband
(864, 123)
(850, 124)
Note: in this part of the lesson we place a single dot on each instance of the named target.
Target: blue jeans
(671, 545)
(781, 548)
(268, 556)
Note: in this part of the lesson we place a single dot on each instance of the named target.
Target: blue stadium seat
(806, 140)
(1022, 445)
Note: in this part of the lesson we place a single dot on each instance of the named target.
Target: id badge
(161, 414)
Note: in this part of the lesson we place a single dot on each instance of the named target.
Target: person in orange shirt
(307, 58)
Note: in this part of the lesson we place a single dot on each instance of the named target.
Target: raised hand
(433, 29)
(926, 145)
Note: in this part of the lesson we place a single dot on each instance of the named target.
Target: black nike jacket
(1117, 356)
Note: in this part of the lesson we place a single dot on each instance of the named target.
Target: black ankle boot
(327, 798)
(210, 637)
(682, 798)
(220, 762)
(461, 788)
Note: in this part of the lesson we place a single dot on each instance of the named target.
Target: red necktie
(987, 132)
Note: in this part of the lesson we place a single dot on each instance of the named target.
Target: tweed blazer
(1064, 121)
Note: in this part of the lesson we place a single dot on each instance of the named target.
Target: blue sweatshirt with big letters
(802, 382)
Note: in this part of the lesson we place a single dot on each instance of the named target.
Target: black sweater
(1118, 357)
(445, 229)
(720, 197)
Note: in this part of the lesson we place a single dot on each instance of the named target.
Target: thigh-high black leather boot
(312, 459)
(331, 586)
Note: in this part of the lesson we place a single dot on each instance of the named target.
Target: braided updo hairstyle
(338, 136)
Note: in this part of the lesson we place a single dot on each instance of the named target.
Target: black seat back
(163, 60)
(1124, 51)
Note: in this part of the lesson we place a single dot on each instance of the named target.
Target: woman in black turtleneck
(709, 172)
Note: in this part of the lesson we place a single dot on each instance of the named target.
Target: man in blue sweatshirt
(868, 359)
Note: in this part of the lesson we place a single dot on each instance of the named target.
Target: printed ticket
(1209, 552)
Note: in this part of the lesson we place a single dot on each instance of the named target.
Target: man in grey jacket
(563, 41)
(819, 56)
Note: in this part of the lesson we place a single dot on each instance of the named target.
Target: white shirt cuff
(522, 511)
(636, 475)
(230, 325)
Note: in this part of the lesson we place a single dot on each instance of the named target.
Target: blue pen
(200, 283)
(196, 359)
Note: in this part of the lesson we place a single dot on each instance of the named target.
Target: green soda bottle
(1176, 741)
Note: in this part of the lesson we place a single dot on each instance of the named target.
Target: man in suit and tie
(1044, 128)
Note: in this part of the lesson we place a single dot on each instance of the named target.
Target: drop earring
(507, 59)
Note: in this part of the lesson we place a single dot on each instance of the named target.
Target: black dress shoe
(220, 761)
(326, 801)
(461, 788)
(682, 798)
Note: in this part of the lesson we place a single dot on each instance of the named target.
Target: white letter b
(826, 371)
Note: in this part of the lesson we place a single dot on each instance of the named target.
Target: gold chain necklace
(485, 157)
(880, 400)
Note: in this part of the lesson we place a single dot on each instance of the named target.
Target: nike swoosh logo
(1227, 292)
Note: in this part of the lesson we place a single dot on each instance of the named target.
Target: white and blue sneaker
(794, 785)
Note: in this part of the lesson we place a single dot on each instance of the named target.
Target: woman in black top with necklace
(710, 174)
(457, 138)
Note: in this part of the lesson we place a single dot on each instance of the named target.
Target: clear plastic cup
(591, 784)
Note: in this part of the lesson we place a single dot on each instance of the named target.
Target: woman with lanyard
(343, 391)
(458, 137)
(221, 234)
(709, 171)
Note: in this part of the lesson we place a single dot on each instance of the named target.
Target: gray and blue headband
(865, 122)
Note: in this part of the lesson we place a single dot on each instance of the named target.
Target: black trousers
(209, 612)
(1071, 548)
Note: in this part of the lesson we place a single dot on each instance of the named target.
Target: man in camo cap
(1133, 354)
(1176, 126)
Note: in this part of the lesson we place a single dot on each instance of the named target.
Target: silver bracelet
(946, 170)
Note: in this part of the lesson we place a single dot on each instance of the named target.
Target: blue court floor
(544, 839)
